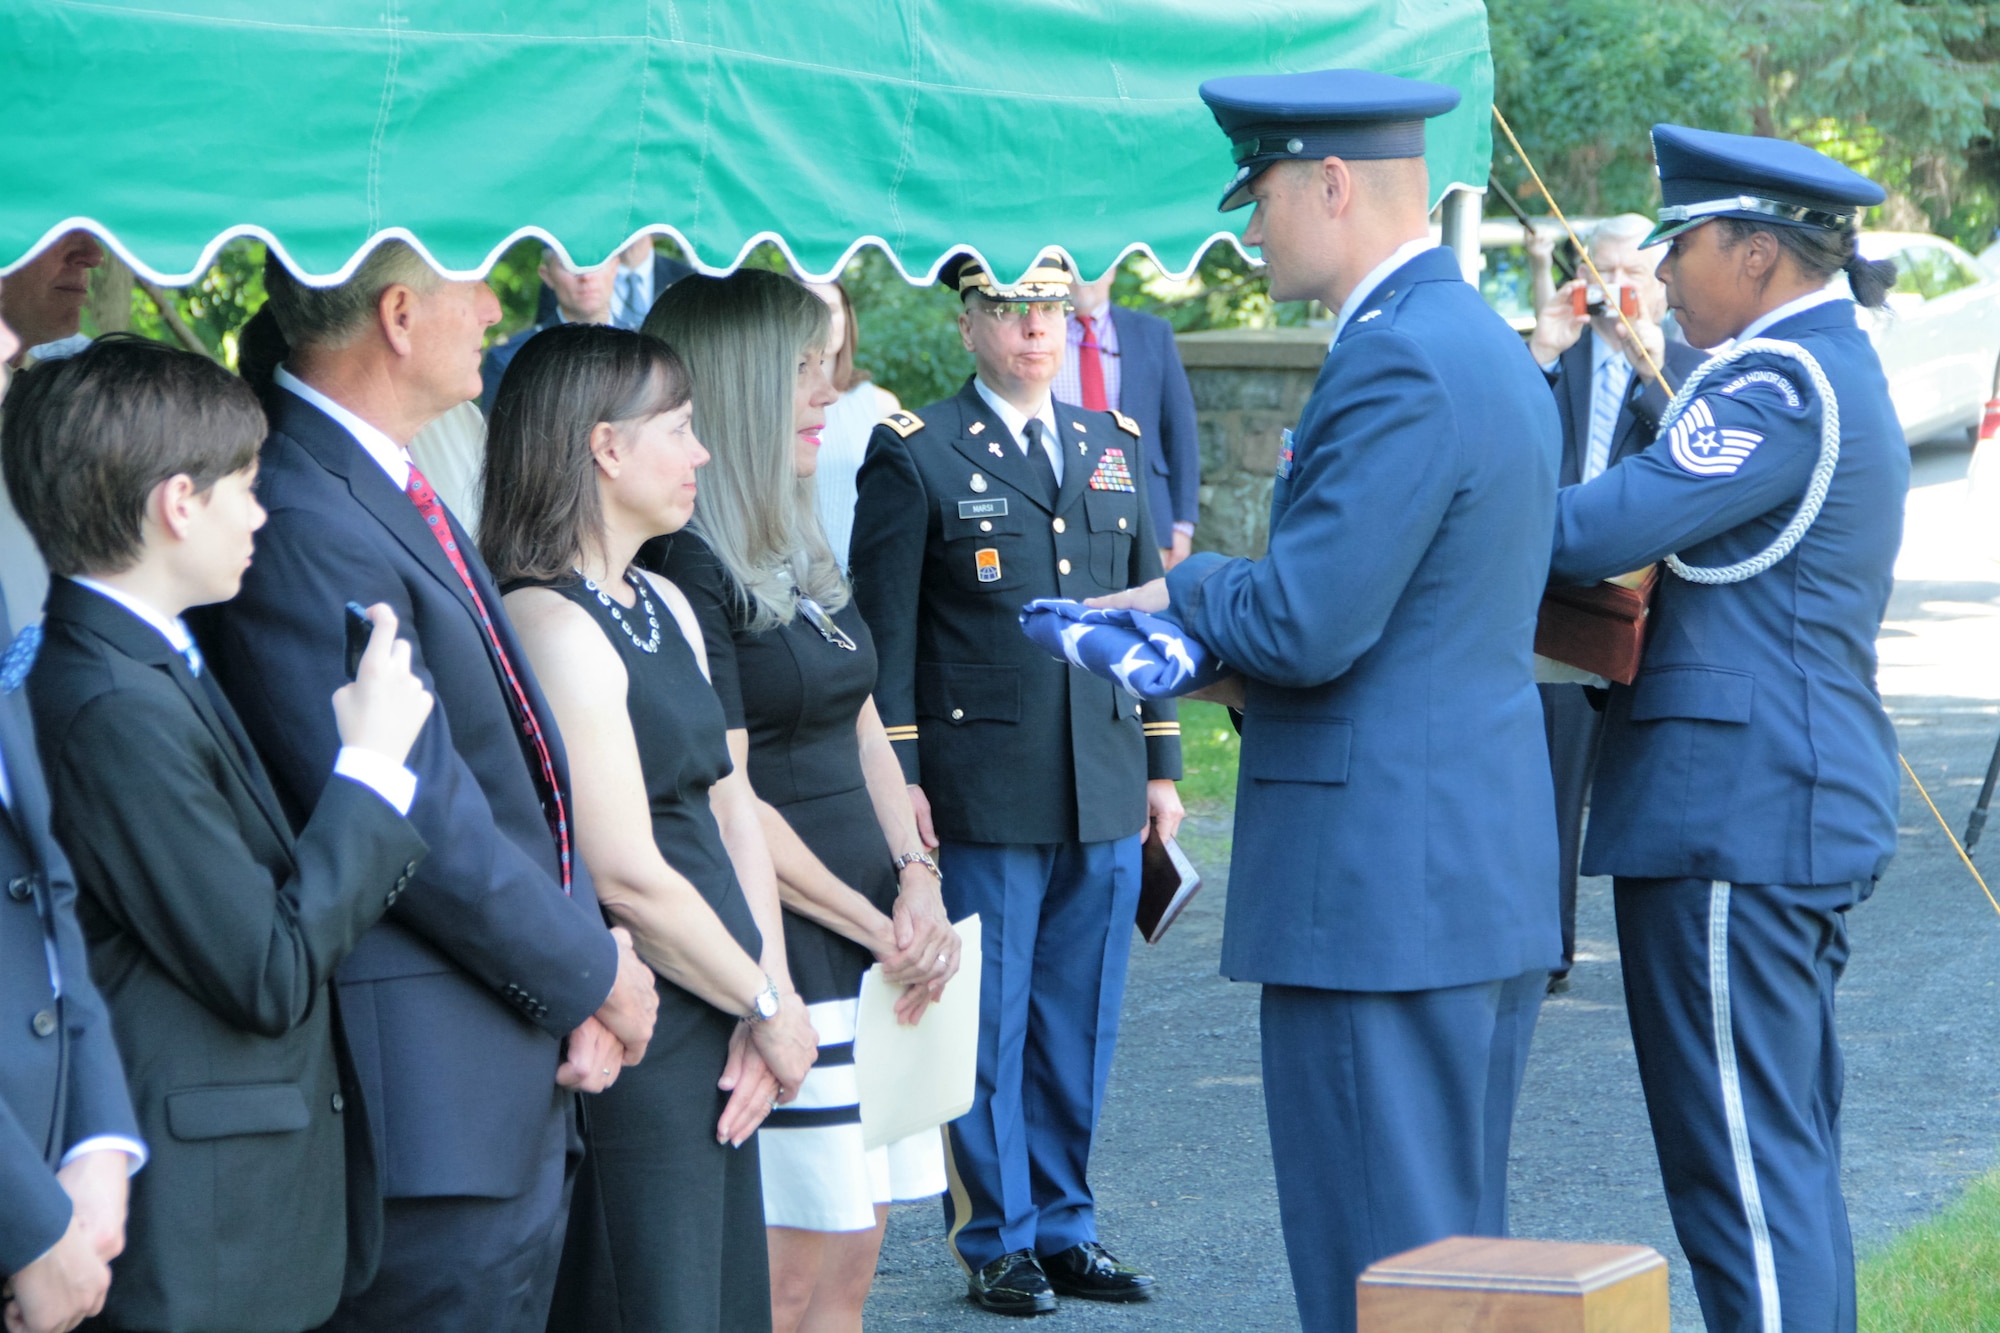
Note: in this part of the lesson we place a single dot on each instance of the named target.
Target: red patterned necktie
(427, 504)
(1090, 368)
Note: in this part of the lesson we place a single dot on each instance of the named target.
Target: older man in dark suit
(68, 1138)
(458, 1004)
(1121, 360)
(1609, 406)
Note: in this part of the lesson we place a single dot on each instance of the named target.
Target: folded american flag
(1151, 656)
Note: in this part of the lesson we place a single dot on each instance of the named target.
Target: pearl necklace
(651, 645)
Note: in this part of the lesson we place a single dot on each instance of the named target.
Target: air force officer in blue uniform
(1746, 790)
(1393, 878)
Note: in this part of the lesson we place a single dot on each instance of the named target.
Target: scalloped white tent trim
(346, 271)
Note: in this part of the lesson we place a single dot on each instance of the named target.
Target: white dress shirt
(393, 457)
(1017, 421)
(1788, 309)
(1364, 289)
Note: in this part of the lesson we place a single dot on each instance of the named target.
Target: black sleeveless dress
(666, 1227)
(799, 695)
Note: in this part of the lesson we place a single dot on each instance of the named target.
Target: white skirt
(817, 1175)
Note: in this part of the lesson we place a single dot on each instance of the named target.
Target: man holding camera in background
(1610, 407)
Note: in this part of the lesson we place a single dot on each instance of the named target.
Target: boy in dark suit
(213, 931)
(68, 1140)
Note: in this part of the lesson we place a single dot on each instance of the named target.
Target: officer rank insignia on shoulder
(904, 424)
(1112, 474)
(1126, 424)
(1703, 449)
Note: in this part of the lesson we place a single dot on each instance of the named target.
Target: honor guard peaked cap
(1350, 113)
(969, 275)
(1706, 174)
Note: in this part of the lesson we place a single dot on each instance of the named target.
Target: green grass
(1942, 1276)
(1208, 755)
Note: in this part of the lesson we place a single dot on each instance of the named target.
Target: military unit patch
(1112, 474)
(987, 560)
(1770, 379)
(1703, 449)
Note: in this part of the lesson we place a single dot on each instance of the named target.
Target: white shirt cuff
(384, 776)
(132, 1148)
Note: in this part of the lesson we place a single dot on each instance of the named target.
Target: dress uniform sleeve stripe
(1163, 728)
(902, 733)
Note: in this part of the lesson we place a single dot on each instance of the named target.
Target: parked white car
(1939, 335)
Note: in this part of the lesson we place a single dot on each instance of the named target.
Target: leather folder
(1600, 628)
(1167, 879)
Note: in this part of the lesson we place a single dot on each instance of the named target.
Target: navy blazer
(953, 534)
(60, 1077)
(457, 1003)
(1153, 390)
(666, 272)
(1395, 820)
(1638, 419)
(1753, 747)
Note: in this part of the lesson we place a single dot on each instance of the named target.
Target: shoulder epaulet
(1126, 424)
(904, 424)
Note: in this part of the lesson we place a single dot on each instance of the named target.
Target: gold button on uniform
(1058, 525)
(986, 525)
(1121, 522)
(958, 714)
(1062, 566)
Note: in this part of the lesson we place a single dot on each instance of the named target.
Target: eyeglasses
(1013, 312)
(817, 617)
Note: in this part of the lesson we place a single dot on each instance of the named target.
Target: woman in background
(850, 420)
(795, 667)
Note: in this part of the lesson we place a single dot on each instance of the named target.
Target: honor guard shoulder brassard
(904, 424)
(1126, 424)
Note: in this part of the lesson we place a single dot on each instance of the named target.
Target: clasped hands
(69, 1282)
(616, 1035)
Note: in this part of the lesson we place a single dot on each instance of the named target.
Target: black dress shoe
(1089, 1271)
(1013, 1284)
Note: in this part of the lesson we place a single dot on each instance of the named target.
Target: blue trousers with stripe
(1390, 1115)
(1056, 931)
(1730, 991)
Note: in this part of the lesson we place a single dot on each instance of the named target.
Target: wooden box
(1482, 1284)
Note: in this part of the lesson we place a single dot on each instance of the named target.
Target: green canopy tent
(168, 127)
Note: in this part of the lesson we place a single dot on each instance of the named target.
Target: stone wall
(1249, 386)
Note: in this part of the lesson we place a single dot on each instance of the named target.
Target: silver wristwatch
(764, 1007)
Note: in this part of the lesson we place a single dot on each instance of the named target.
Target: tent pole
(1458, 213)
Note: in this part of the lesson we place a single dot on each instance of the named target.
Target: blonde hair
(741, 338)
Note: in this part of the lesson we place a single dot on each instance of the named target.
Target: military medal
(988, 561)
(1112, 473)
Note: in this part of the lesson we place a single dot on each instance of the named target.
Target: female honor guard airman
(1039, 778)
(1746, 791)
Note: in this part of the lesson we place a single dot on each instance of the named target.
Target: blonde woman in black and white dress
(795, 668)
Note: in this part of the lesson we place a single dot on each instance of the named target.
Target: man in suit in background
(214, 930)
(1126, 361)
(1395, 828)
(68, 1138)
(569, 298)
(1609, 406)
(642, 274)
(1039, 778)
(458, 1004)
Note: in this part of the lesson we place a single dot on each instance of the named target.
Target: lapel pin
(994, 449)
(978, 482)
(975, 428)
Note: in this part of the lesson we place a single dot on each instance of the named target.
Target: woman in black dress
(591, 453)
(795, 668)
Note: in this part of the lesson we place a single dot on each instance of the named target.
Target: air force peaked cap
(1706, 174)
(1351, 113)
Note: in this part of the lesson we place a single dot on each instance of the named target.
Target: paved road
(1182, 1168)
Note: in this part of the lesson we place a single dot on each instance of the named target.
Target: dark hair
(260, 349)
(539, 508)
(85, 440)
(1822, 254)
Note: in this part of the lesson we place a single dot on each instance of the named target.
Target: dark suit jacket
(456, 1004)
(1153, 390)
(60, 1079)
(214, 936)
(1010, 744)
(666, 272)
(1645, 402)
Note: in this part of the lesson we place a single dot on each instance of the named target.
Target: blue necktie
(627, 315)
(1607, 399)
(19, 658)
(192, 656)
